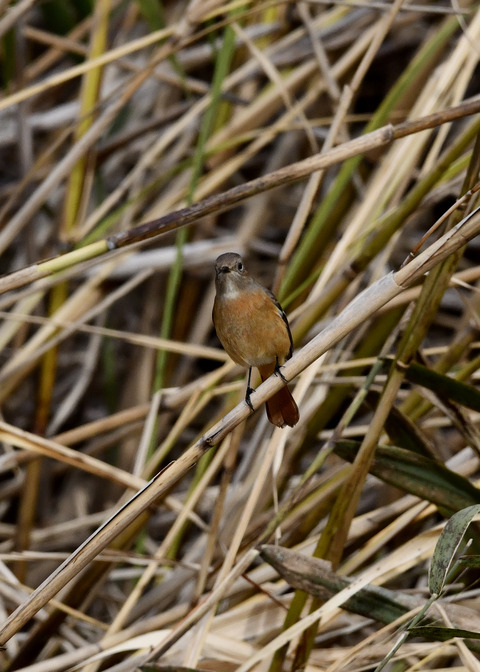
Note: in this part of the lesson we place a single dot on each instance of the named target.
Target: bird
(254, 331)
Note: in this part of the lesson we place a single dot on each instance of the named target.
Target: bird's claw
(278, 372)
(247, 397)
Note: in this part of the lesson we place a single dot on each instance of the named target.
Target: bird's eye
(240, 266)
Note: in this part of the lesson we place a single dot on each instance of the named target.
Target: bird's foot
(278, 372)
(247, 397)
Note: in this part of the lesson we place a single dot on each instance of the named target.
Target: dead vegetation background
(117, 113)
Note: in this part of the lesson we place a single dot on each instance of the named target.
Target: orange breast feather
(251, 329)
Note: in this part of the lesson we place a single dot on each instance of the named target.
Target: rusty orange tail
(281, 408)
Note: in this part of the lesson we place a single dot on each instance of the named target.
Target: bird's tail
(281, 408)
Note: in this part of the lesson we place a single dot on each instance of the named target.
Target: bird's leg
(249, 390)
(278, 371)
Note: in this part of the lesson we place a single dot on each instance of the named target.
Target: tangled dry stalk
(321, 141)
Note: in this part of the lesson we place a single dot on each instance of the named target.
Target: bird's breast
(251, 328)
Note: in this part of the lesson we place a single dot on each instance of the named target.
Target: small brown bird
(254, 331)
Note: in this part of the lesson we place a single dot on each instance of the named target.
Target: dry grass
(149, 520)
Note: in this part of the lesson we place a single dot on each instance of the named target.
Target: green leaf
(402, 431)
(444, 386)
(434, 633)
(419, 475)
(447, 545)
(468, 562)
(315, 577)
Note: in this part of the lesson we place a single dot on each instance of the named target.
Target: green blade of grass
(444, 386)
(450, 539)
(417, 475)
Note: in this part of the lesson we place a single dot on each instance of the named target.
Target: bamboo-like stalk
(220, 203)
